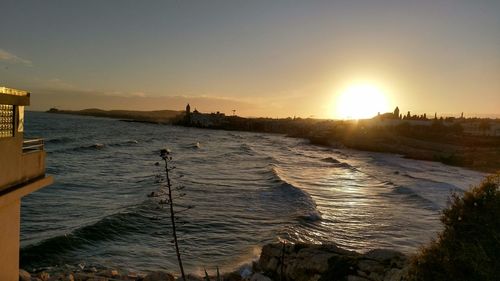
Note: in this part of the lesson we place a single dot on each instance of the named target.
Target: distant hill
(156, 116)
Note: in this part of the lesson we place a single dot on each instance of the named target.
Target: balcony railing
(32, 145)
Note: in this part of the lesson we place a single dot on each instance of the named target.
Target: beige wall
(10, 206)
(9, 241)
(16, 167)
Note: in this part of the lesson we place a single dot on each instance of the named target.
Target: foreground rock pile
(297, 262)
(305, 262)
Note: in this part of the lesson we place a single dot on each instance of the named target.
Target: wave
(330, 160)
(112, 227)
(124, 143)
(195, 145)
(302, 202)
(247, 149)
(412, 196)
(94, 146)
(338, 164)
(97, 146)
(59, 140)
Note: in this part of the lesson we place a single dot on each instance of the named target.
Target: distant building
(22, 171)
(187, 116)
(396, 113)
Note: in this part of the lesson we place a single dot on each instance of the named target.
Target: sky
(260, 58)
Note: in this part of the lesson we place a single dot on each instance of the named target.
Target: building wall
(10, 159)
(17, 167)
(9, 240)
(20, 174)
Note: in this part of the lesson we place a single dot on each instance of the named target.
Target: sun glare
(360, 101)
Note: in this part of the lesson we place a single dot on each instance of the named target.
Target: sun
(361, 101)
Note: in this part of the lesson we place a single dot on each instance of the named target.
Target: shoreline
(277, 261)
(442, 144)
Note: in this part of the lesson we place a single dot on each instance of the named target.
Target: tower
(396, 113)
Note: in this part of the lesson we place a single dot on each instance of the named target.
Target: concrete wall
(10, 159)
(16, 167)
(10, 217)
(9, 240)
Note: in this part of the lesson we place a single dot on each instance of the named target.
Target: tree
(469, 246)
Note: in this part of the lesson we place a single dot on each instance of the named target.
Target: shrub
(469, 246)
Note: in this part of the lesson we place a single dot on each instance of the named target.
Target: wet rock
(159, 276)
(24, 275)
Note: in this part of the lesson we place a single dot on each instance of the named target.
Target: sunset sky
(261, 58)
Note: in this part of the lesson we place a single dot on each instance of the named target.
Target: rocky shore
(291, 262)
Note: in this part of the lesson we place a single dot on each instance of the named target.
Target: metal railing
(32, 145)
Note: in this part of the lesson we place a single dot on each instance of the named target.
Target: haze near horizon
(325, 59)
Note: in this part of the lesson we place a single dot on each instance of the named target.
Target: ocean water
(247, 189)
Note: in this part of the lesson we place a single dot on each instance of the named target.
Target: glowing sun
(361, 101)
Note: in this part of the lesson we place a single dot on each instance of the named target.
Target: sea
(247, 189)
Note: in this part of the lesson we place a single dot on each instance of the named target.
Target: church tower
(396, 113)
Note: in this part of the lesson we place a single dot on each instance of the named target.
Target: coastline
(442, 144)
(278, 261)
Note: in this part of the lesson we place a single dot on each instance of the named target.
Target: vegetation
(469, 246)
(169, 201)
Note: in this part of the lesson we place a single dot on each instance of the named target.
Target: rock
(232, 276)
(80, 276)
(245, 273)
(191, 277)
(370, 266)
(159, 276)
(44, 276)
(259, 277)
(356, 278)
(394, 275)
(385, 255)
(24, 275)
(59, 277)
(97, 278)
(306, 262)
(132, 275)
(108, 273)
